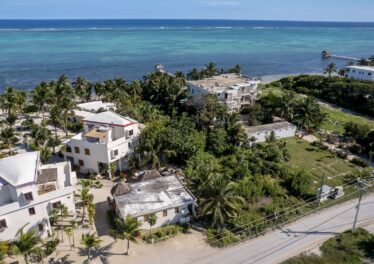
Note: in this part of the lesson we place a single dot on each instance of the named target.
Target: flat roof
(83, 114)
(152, 196)
(110, 118)
(224, 81)
(364, 68)
(95, 106)
(268, 127)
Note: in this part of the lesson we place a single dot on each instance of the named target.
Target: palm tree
(210, 70)
(90, 241)
(152, 220)
(87, 199)
(194, 75)
(69, 232)
(330, 69)
(45, 154)
(12, 101)
(81, 87)
(126, 229)
(8, 138)
(42, 96)
(135, 89)
(27, 243)
(221, 200)
(73, 226)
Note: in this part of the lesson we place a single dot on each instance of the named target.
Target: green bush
(221, 238)
(51, 246)
(360, 162)
(164, 232)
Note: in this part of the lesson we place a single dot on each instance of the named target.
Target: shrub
(360, 162)
(164, 232)
(221, 238)
(342, 154)
(51, 246)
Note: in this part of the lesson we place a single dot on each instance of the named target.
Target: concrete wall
(279, 134)
(171, 218)
(17, 215)
(360, 74)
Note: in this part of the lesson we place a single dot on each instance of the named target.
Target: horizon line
(192, 19)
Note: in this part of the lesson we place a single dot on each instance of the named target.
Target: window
(3, 224)
(68, 148)
(369, 73)
(41, 227)
(165, 213)
(76, 149)
(116, 152)
(87, 152)
(56, 205)
(131, 133)
(145, 218)
(32, 211)
(129, 145)
(177, 210)
(28, 196)
(81, 163)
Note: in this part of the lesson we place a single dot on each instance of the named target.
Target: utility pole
(363, 185)
(320, 190)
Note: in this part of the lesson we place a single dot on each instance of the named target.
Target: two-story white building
(29, 191)
(107, 137)
(165, 197)
(232, 89)
(365, 73)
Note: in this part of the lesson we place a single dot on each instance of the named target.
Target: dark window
(116, 152)
(3, 224)
(81, 163)
(32, 211)
(131, 132)
(129, 145)
(76, 149)
(68, 148)
(28, 196)
(369, 73)
(165, 213)
(56, 205)
(87, 151)
(40, 227)
(177, 210)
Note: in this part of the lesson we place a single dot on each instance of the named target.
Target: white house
(91, 108)
(232, 89)
(29, 191)
(107, 137)
(365, 73)
(260, 133)
(164, 196)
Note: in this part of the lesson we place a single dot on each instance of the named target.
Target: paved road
(296, 238)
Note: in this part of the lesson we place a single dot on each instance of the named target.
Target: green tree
(221, 200)
(87, 199)
(152, 220)
(90, 241)
(8, 138)
(194, 75)
(12, 101)
(330, 69)
(300, 183)
(126, 229)
(42, 97)
(27, 243)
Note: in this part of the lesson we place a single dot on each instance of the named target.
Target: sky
(300, 10)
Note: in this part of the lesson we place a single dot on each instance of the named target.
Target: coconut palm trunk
(128, 247)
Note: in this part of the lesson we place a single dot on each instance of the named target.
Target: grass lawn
(318, 162)
(336, 120)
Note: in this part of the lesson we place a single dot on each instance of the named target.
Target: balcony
(46, 188)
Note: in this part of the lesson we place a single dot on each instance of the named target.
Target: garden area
(317, 162)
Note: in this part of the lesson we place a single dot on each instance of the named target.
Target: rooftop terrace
(224, 81)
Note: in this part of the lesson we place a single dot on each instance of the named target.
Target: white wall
(17, 215)
(279, 134)
(360, 74)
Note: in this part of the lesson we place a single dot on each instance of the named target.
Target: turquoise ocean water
(32, 50)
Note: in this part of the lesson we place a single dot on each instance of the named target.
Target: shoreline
(266, 79)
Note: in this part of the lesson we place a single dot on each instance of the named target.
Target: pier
(328, 55)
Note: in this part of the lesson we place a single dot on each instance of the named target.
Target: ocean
(35, 50)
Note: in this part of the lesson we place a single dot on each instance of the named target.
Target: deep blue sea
(36, 50)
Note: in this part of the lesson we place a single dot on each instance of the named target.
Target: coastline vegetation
(234, 184)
